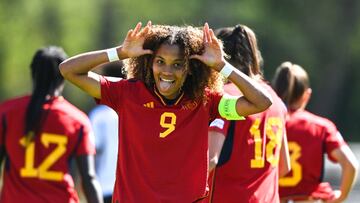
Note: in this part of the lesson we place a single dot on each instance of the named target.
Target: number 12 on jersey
(43, 170)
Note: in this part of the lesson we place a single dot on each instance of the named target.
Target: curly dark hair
(240, 46)
(190, 41)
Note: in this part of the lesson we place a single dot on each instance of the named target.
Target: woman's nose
(167, 69)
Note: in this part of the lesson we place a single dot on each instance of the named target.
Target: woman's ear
(306, 96)
(309, 92)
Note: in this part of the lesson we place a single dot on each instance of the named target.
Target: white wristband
(227, 69)
(112, 54)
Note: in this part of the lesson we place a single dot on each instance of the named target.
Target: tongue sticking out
(165, 86)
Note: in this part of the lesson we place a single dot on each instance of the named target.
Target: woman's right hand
(134, 41)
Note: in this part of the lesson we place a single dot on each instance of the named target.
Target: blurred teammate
(255, 150)
(40, 134)
(310, 137)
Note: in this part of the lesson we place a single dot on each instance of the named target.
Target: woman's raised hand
(134, 41)
(213, 55)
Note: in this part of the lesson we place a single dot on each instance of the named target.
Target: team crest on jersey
(149, 105)
(189, 105)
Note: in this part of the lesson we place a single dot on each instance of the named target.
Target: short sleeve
(220, 125)
(333, 139)
(111, 92)
(86, 142)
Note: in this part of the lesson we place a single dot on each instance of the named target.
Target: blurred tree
(107, 35)
(320, 38)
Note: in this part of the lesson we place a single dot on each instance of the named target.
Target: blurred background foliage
(323, 36)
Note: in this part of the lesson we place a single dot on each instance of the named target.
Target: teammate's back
(40, 134)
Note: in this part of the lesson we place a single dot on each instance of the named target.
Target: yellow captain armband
(227, 108)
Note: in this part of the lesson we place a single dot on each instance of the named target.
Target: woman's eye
(159, 61)
(178, 65)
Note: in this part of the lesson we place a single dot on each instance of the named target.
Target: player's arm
(349, 168)
(216, 141)
(284, 160)
(90, 185)
(77, 68)
(256, 99)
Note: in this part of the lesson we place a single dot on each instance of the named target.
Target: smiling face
(169, 70)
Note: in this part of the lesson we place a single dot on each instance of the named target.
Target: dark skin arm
(90, 185)
(77, 69)
(255, 99)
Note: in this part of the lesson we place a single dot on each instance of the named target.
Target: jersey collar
(163, 100)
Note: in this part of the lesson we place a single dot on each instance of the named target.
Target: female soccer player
(40, 134)
(164, 108)
(248, 168)
(310, 137)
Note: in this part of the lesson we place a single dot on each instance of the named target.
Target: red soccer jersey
(309, 138)
(162, 149)
(251, 172)
(39, 171)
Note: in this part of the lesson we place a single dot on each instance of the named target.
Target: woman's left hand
(213, 54)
